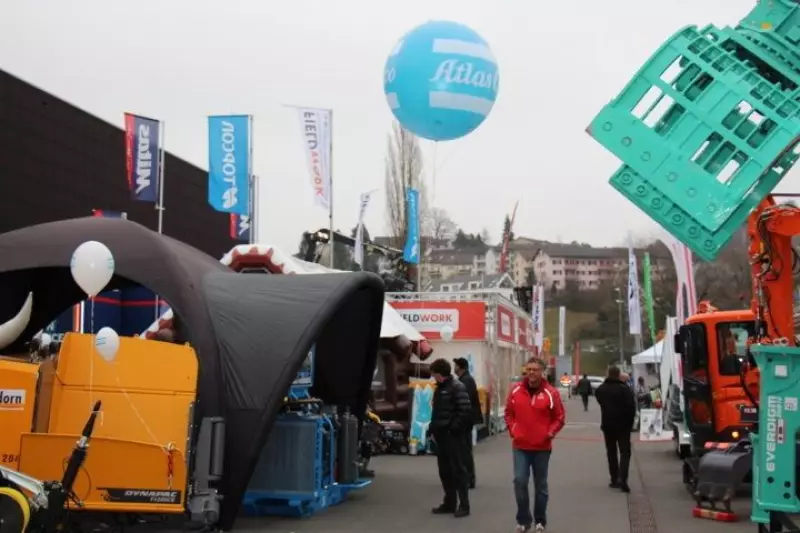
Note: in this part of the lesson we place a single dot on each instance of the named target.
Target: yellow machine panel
(137, 456)
(17, 402)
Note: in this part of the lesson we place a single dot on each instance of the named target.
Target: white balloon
(446, 333)
(45, 339)
(106, 342)
(92, 267)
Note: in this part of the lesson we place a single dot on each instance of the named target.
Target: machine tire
(403, 449)
(15, 512)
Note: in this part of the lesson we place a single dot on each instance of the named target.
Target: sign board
(506, 325)
(467, 319)
(651, 426)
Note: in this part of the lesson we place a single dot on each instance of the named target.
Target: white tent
(279, 262)
(652, 355)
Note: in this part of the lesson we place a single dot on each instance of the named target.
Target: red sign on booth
(506, 324)
(525, 330)
(467, 319)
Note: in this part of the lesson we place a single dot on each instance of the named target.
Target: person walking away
(534, 416)
(462, 371)
(618, 411)
(450, 419)
(584, 390)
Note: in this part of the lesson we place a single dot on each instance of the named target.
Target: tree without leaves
(485, 236)
(403, 171)
(439, 225)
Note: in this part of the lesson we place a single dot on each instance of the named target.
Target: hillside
(572, 324)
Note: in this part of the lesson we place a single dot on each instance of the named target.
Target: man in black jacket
(618, 408)
(462, 371)
(450, 419)
(585, 390)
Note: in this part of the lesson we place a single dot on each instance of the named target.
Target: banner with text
(142, 160)
(686, 299)
(229, 163)
(316, 125)
(467, 319)
(411, 251)
(240, 227)
(634, 306)
(358, 255)
(538, 317)
(506, 324)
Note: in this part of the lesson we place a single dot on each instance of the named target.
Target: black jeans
(585, 400)
(451, 456)
(469, 458)
(618, 452)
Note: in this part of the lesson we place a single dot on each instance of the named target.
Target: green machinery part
(709, 125)
(706, 129)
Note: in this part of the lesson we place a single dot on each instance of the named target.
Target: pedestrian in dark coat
(584, 390)
(451, 418)
(618, 408)
(462, 371)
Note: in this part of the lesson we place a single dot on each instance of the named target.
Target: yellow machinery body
(137, 462)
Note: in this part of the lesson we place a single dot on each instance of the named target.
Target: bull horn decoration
(11, 330)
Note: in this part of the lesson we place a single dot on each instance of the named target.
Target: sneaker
(522, 529)
(539, 528)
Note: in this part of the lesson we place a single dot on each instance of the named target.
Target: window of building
(474, 285)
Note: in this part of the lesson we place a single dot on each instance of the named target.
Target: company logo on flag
(358, 256)
(240, 227)
(634, 307)
(411, 251)
(229, 163)
(316, 126)
(142, 157)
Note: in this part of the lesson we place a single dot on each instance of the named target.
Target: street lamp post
(621, 339)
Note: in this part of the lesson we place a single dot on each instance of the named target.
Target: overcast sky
(181, 60)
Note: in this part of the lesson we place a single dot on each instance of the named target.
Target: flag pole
(252, 188)
(160, 203)
(330, 173)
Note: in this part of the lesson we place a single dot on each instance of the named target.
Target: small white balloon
(106, 342)
(92, 267)
(45, 339)
(446, 333)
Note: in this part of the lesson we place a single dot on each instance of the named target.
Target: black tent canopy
(251, 332)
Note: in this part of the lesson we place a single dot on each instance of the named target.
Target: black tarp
(251, 332)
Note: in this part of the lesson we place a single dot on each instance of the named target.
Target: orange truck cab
(713, 350)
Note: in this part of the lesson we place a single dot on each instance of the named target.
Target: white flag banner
(634, 306)
(538, 317)
(686, 299)
(562, 329)
(316, 127)
(358, 256)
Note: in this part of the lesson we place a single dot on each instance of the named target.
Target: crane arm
(770, 229)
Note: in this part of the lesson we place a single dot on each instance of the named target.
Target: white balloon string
(94, 354)
(165, 448)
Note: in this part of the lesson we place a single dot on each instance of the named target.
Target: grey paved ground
(406, 488)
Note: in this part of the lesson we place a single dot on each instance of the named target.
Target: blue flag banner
(229, 163)
(411, 251)
(240, 227)
(142, 157)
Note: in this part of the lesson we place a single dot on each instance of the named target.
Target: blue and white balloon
(92, 267)
(441, 81)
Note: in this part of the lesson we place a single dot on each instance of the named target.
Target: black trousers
(451, 454)
(618, 452)
(585, 400)
(469, 458)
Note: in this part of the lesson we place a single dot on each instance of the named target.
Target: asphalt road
(405, 489)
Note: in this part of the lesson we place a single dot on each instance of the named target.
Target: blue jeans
(525, 463)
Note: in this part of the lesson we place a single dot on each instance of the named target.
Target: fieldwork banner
(467, 319)
(505, 324)
(142, 162)
(316, 126)
(229, 163)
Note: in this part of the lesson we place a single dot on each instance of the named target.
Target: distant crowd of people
(534, 415)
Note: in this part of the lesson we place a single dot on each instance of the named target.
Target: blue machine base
(297, 504)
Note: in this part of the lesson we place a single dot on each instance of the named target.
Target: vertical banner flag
(229, 163)
(562, 327)
(648, 297)
(634, 308)
(358, 256)
(316, 126)
(686, 301)
(538, 317)
(411, 251)
(142, 157)
(240, 227)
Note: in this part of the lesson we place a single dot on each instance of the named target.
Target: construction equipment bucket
(720, 473)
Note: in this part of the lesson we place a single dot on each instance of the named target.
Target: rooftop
(493, 281)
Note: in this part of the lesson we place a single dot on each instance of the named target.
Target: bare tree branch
(403, 171)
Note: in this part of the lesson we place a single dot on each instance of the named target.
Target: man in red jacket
(534, 415)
